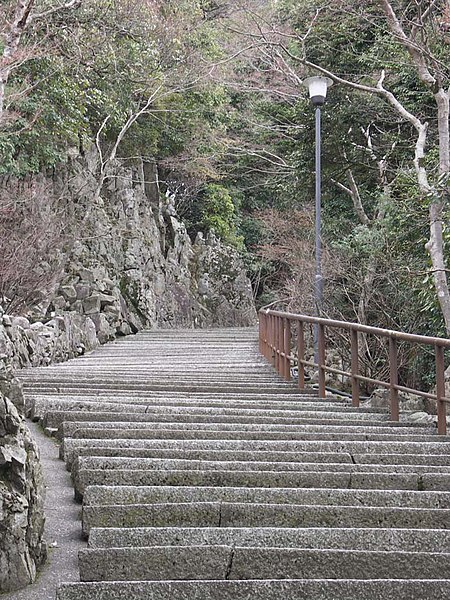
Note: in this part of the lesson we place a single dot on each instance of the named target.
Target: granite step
(242, 563)
(225, 455)
(38, 406)
(113, 386)
(352, 538)
(245, 514)
(370, 448)
(311, 478)
(269, 589)
(178, 464)
(54, 419)
(104, 495)
(258, 434)
(266, 456)
(72, 428)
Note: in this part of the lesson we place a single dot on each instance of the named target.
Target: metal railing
(276, 341)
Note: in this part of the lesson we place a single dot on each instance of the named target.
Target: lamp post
(318, 87)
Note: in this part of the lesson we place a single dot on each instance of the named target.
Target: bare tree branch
(73, 4)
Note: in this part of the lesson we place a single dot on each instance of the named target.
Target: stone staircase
(203, 476)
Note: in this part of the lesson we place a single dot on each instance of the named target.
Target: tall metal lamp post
(318, 87)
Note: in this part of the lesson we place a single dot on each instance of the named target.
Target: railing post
(287, 349)
(282, 363)
(260, 319)
(272, 340)
(440, 390)
(263, 332)
(321, 359)
(301, 355)
(393, 378)
(355, 368)
(276, 337)
(280, 343)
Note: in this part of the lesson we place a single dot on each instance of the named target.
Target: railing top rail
(399, 335)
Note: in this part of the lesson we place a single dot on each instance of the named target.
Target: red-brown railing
(276, 341)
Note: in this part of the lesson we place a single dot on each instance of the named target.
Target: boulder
(91, 305)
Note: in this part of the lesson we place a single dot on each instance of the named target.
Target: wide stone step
(226, 455)
(71, 428)
(240, 563)
(171, 464)
(281, 479)
(374, 448)
(322, 589)
(262, 456)
(259, 434)
(235, 514)
(107, 385)
(103, 495)
(370, 539)
(54, 419)
(38, 406)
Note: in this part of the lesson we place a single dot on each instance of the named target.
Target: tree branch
(66, 6)
(415, 51)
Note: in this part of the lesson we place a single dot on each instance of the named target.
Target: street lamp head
(317, 87)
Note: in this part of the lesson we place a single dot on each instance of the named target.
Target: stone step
(366, 538)
(74, 428)
(108, 385)
(243, 514)
(178, 464)
(262, 401)
(148, 382)
(270, 589)
(54, 419)
(37, 407)
(271, 479)
(103, 495)
(370, 448)
(256, 455)
(219, 369)
(241, 563)
(258, 434)
(262, 456)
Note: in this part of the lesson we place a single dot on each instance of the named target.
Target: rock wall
(132, 264)
(22, 549)
(31, 344)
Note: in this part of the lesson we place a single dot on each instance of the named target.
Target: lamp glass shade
(317, 87)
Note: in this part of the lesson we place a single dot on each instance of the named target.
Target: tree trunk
(11, 43)
(435, 245)
(364, 303)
